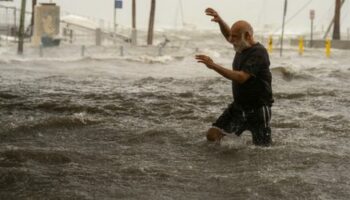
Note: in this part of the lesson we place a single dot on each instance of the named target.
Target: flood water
(134, 127)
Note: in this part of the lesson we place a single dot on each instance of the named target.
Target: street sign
(118, 4)
(312, 14)
(312, 17)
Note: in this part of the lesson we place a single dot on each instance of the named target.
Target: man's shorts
(236, 120)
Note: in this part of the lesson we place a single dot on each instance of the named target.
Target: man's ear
(247, 36)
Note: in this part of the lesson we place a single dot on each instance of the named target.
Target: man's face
(238, 40)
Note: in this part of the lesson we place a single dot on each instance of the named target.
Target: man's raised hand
(214, 14)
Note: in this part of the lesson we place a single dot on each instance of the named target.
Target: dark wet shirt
(256, 91)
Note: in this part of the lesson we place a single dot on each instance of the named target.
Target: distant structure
(46, 22)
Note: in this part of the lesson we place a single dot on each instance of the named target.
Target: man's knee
(214, 134)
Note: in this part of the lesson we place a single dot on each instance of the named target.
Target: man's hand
(205, 60)
(214, 14)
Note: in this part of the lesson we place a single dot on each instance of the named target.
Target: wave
(158, 136)
(152, 80)
(284, 95)
(20, 156)
(286, 124)
(321, 93)
(57, 103)
(5, 61)
(306, 93)
(74, 121)
(186, 94)
(36, 60)
(6, 95)
(140, 59)
(151, 59)
(62, 107)
(66, 59)
(104, 96)
(288, 74)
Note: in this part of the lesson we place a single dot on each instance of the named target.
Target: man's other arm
(239, 77)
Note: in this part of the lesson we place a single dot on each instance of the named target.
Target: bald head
(242, 27)
(242, 35)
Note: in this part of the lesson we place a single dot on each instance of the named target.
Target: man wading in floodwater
(251, 85)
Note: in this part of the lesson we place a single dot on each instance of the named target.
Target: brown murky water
(124, 129)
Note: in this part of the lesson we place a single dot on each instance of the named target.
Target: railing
(9, 17)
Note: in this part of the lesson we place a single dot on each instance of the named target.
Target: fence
(9, 21)
(75, 34)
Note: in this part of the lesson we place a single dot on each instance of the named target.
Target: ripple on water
(22, 156)
(73, 121)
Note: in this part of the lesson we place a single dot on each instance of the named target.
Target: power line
(299, 11)
(261, 15)
(296, 14)
(325, 16)
(347, 12)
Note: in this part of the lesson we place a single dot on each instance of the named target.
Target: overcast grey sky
(259, 12)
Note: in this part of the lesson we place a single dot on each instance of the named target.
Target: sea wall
(336, 44)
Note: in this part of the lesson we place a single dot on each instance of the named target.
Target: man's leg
(259, 125)
(230, 121)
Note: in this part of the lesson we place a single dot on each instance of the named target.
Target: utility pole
(331, 24)
(151, 23)
(15, 17)
(182, 13)
(21, 28)
(336, 28)
(133, 13)
(284, 19)
(179, 11)
(33, 15)
(114, 21)
(134, 31)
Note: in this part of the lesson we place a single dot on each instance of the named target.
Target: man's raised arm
(225, 29)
